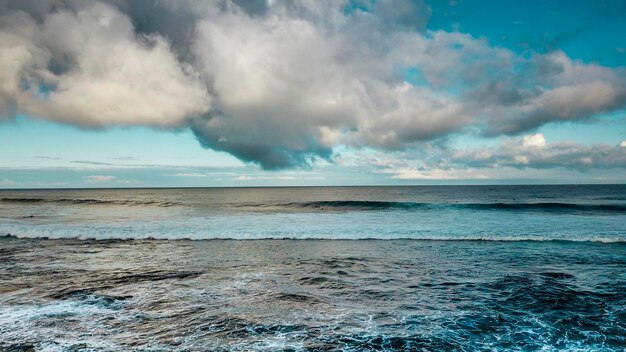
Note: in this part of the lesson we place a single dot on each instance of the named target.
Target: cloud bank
(529, 152)
(281, 83)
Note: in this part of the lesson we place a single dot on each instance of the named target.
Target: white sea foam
(466, 213)
(24, 323)
(112, 233)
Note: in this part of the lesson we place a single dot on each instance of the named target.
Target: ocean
(427, 268)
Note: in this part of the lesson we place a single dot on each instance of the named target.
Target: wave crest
(103, 236)
(393, 205)
(89, 201)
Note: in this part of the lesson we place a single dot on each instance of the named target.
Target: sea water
(333, 268)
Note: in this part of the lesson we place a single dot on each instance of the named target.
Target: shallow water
(151, 295)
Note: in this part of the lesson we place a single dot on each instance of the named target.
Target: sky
(151, 93)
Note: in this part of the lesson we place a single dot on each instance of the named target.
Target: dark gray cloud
(270, 154)
(282, 83)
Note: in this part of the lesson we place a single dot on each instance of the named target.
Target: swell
(89, 201)
(391, 205)
(551, 206)
(204, 237)
(353, 205)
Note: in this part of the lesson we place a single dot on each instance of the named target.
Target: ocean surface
(465, 268)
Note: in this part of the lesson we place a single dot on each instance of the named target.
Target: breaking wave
(387, 205)
(347, 205)
(89, 201)
(168, 236)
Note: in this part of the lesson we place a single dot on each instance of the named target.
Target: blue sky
(273, 102)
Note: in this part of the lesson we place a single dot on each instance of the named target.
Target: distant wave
(349, 205)
(89, 201)
(357, 204)
(104, 236)
(384, 205)
(549, 206)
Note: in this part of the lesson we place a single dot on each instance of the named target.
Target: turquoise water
(572, 213)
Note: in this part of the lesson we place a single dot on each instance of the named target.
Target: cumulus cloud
(534, 140)
(529, 153)
(99, 178)
(86, 66)
(276, 177)
(532, 151)
(282, 83)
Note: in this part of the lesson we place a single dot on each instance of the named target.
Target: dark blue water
(435, 268)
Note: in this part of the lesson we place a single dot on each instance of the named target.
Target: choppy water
(437, 268)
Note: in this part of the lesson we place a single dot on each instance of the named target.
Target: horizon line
(313, 186)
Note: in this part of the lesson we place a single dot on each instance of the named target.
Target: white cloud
(189, 174)
(534, 152)
(435, 174)
(7, 182)
(514, 158)
(108, 75)
(276, 177)
(283, 83)
(534, 140)
(99, 178)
